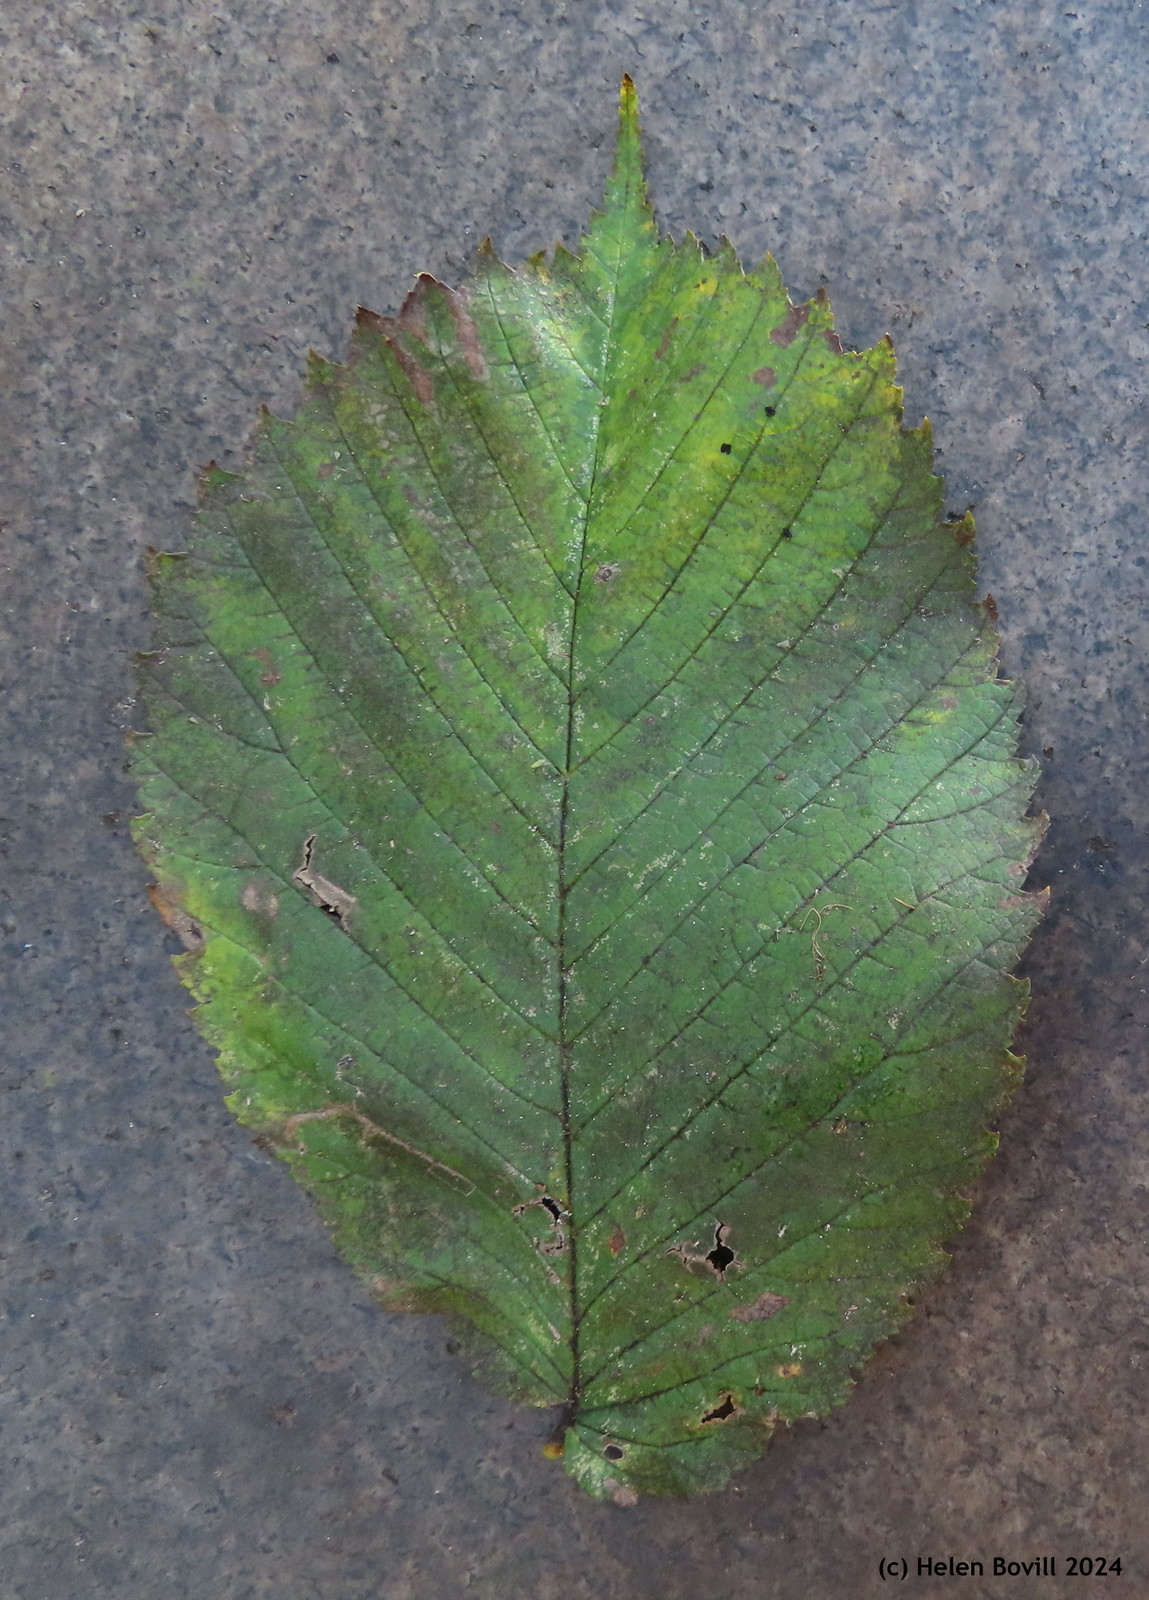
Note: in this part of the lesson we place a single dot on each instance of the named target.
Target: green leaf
(579, 770)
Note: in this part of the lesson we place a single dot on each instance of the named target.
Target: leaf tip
(628, 157)
(366, 318)
(213, 476)
(964, 527)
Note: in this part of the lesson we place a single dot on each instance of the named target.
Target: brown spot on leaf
(621, 1493)
(790, 326)
(617, 1241)
(269, 677)
(326, 468)
(366, 318)
(766, 376)
(766, 1306)
(466, 332)
(789, 1369)
(187, 928)
(1038, 899)
(989, 606)
(418, 377)
(412, 316)
(409, 324)
(833, 341)
(666, 338)
(370, 1132)
(606, 572)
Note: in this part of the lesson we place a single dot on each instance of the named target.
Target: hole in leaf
(717, 1259)
(613, 1452)
(771, 411)
(787, 533)
(328, 896)
(556, 1244)
(725, 1408)
(722, 1255)
(726, 449)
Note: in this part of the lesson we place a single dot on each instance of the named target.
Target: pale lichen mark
(322, 892)
(372, 1130)
(259, 900)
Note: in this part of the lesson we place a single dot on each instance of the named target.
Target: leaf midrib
(564, 888)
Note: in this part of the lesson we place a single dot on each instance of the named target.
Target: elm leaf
(579, 772)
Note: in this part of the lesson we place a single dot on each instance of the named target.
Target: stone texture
(196, 1397)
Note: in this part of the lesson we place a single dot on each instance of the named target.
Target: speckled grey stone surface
(196, 1398)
